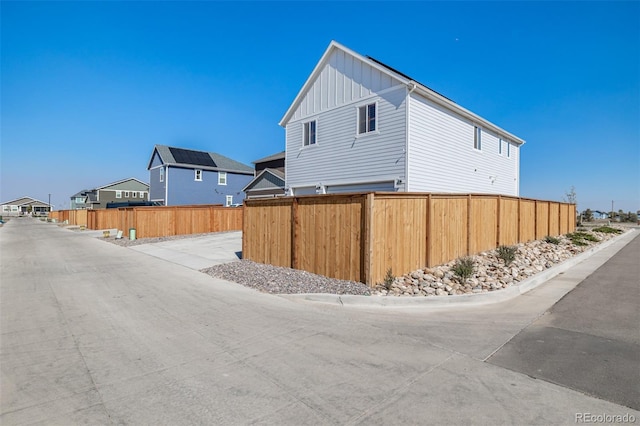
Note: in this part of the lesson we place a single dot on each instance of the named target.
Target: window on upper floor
(477, 138)
(126, 194)
(367, 118)
(162, 174)
(222, 178)
(198, 175)
(118, 194)
(309, 133)
(499, 146)
(508, 149)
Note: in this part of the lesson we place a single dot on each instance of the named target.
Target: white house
(359, 125)
(24, 205)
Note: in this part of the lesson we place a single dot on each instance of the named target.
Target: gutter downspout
(407, 138)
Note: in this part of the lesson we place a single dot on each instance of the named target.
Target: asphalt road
(93, 333)
(589, 340)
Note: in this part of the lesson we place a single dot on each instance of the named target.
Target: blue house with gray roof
(179, 176)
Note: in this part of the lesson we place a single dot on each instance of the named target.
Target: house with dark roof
(269, 180)
(359, 125)
(179, 176)
(125, 190)
(24, 205)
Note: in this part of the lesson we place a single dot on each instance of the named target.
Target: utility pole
(49, 205)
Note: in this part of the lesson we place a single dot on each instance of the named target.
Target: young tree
(571, 196)
(587, 215)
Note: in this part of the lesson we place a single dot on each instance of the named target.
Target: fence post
(367, 240)
(468, 224)
(428, 232)
(548, 217)
(519, 234)
(498, 221)
(244, 229)
(294, 234)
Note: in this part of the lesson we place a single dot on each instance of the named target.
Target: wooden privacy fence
(74, 217)
(161, 221)
(360, 236)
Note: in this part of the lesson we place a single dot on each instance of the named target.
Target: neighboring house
(182, 177)
(269, 178)
(24, 205)
(122, 191)
(600, 215)
(359, 125)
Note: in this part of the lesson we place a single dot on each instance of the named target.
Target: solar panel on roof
(197, 158)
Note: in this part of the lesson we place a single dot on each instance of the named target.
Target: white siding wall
(343, 80)
(340, 156)
(442, 157)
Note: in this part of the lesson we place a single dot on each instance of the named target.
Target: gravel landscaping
(490, 271)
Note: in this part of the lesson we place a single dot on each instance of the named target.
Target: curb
(462, 299)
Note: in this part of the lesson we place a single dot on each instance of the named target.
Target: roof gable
(354, 76)
(361, 76)
(23, 201)
(126, 184)
(197, 159)
(267, 179)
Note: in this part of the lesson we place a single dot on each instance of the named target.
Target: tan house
(24, 205)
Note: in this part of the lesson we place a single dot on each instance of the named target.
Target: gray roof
(220, 161)
(278, 156)
(267, 179)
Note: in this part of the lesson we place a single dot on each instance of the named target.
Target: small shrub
(607, 230)
(576, 238)
(388, 279)
(552, 240)
(507, 254)
(463, 268)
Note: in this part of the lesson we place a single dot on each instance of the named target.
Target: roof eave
(441, 100)
(318, 68)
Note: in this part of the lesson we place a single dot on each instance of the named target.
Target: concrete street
(94, 333)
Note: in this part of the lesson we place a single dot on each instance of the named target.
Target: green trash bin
(132, 234)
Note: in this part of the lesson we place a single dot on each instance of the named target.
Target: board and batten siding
(340, 155)
(343, 80)
(442, 157)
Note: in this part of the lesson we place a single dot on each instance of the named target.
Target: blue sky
(88, 88)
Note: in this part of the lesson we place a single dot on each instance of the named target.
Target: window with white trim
(198, 175)
(162, 174)
(477, 138)
(309, 133)
(222, 178)
(118, 194)
(126, 194)
(367, 118)
(508, 149)
(229, 200)
(499, 146)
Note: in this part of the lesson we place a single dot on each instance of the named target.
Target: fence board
(483, 228)
(509, 223)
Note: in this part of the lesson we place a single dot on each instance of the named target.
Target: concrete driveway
(94, 333)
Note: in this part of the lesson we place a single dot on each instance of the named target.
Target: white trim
(315, 133)
(346, 182)
(197, 172)
(162, 173)
(366, 105)
(118, 194)
(226, 178)
(228, 200)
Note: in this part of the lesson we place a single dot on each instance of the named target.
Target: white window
(309, 133)
(367, 118)
(198, 175)
(141, 193)
(222, 178)
(162, 174)
(500, 146)
(508, 149)
(134, 194)
(6, 208)
(126, 194)
(118, 194)
(229, 200)
(477, 138)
